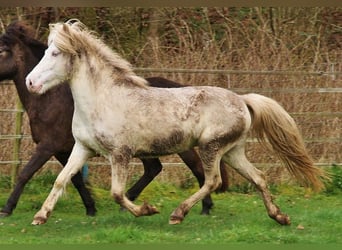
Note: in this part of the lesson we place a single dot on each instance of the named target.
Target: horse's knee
(23, 178)
(118, 196)
(58, 185)
(213, 183)
(260, 181)
(217, 184)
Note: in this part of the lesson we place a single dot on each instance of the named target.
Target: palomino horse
(115, 115)
(50, 117)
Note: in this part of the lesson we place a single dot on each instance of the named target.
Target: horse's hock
(314, 103)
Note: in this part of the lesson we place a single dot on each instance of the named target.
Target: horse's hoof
(147, 209)
(283, 219)
(175, 219)
(91, 213)
(38, 221)
(4, 214)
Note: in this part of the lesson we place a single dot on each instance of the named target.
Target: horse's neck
(85, 82)
(83, 93)
(25, 96)
(28, 63)
(92, 94)
(23, 93)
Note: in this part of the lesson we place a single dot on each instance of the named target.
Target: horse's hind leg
(236, 158)
(193, 161)
(211, 166)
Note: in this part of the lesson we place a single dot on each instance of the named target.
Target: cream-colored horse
(119, 116)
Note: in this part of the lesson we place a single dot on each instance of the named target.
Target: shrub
(335, 186)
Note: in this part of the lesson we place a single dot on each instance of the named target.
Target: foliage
(215, 38)
(236, 218)
(335, 185)
(5, 182)
(243, 187)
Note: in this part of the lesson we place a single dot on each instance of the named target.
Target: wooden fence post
(17, 141)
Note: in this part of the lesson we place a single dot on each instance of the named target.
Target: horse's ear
(21, 30)
(65, 28)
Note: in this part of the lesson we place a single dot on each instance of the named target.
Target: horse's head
(56, 64)
(19, 50)
(8, 62)
(72, 47)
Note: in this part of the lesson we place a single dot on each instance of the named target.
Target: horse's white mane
(73, 37)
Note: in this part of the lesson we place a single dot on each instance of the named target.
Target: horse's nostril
(29, 83)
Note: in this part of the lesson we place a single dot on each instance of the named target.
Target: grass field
(236, 218)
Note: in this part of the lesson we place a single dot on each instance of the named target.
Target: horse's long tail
(271, 122)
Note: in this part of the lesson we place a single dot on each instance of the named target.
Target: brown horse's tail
(271, 122)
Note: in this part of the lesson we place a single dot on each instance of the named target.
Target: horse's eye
(55, 53)
(2, 51)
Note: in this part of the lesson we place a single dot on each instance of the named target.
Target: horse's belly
(164, 144)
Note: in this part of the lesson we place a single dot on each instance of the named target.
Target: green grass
(236, 218)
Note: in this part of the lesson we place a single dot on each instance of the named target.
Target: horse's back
(194, 115)
(182, 107)
(199, 99)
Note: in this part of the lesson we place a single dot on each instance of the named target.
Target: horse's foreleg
(80, 185)
(212, 181)
(37, 160)
(237, 159)
(78, 157)
(119, 178)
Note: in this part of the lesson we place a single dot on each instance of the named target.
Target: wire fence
(332, 74)
(335, 116)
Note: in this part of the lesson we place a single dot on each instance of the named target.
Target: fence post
(17, 141)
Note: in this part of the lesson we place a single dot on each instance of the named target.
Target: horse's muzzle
(33, 88)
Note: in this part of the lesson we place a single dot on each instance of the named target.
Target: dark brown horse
(50, 117)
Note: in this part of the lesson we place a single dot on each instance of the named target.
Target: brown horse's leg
(36, 161)
(237, 159)
(224, 177)
(152, 168)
